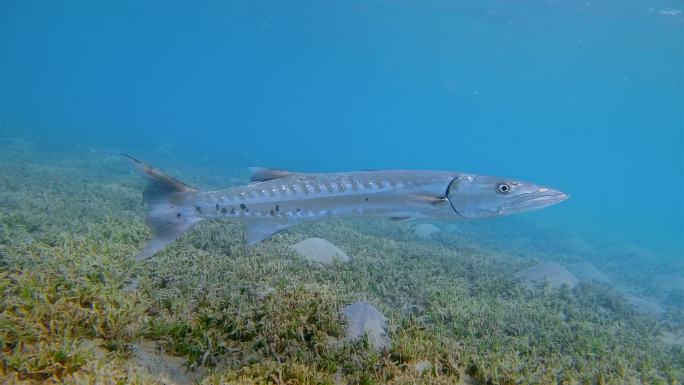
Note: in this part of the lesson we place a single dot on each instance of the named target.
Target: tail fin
(170, 215)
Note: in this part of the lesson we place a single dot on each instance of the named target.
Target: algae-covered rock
(668, 282)
(363, 319)
(319, 250)
(578, 246)
(645, 305)
(468, 380)
(632, 253)
(426, 230)
(673, 339)
(150, 360)
(550, 272)
(266, 292)
(586, 271)
(422, 366)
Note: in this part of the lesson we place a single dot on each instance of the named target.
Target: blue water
(587, 97)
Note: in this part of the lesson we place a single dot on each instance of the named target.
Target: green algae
(69, 226)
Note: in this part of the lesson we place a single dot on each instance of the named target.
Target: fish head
(478, 196)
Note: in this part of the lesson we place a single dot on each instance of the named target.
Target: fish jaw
(535, 200)
(478, 196)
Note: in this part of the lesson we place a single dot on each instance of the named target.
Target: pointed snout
(557, 194)
(537, 199)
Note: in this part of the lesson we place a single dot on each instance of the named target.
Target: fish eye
(503, 188)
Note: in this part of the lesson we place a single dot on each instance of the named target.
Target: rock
(631, 252)
(578, 246)
(422, 366)
(586, 271)
(670, 338)
(362, 319)
(132, 285)
(95, 348)
(266, 292)
(554, 273)
(468, 380)
(669, 282)
(319, 250)
(150, 360)
(426, 230)
(646, 306)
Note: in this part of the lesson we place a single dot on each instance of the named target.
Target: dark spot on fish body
(243, 206)
(232, 211)
(178, 215)
(366, 199)
(224, 210)
(277, 208)
(198, 209)
(298, 209)
(217, 207)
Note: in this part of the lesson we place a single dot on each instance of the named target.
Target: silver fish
(277, 199)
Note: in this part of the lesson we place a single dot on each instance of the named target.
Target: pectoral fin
(258, 230)
(430, 199)
(400, 219)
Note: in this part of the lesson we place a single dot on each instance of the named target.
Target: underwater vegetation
(209, 310)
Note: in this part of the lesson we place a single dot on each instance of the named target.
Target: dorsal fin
(262, 174)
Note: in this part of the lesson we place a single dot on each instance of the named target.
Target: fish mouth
(535, 200)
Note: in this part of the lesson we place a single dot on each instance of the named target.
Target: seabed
(77, 309)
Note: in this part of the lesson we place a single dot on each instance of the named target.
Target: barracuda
(275, 200)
